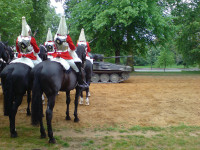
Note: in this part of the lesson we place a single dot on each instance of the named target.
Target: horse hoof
(43, 136)
(28, 114)
(81, 103)
(76, 120)
(53, 141)
(67, 118)
(14, 135)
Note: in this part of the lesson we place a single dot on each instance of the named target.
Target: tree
(152, 55)
(39, 15)
(52, 20)
(187, 21)
(165, 58)
(11, 17)
(37, 20)
(120, 27)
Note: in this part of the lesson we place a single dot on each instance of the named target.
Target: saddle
(62, 62)
(24, 60)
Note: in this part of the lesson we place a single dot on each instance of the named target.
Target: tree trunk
(117, 53)
(130, 61)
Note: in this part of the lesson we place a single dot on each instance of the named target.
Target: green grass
(183, 73)
(172, 66)
(28, 138)
(116, 138)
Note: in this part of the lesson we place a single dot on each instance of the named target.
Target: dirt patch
(141, 100)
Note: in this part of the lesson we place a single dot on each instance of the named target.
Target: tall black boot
(80, 78)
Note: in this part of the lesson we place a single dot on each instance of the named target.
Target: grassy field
(136, 137)
(183, 73)
(114, 137)
(172, 66)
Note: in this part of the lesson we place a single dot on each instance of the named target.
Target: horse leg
(67, 102)
(78, 91)
(42, 130)
(15, 104)
(28, 101)
(87, 98)
(49, 115)
(81, 98)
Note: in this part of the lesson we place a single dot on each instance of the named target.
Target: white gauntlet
(74, 56)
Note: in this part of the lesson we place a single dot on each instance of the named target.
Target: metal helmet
(25, 27)
(49, 35)
(62, 29)
(61, 35)
(24, 39)
(82, 36)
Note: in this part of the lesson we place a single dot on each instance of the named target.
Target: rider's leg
(77, 67)
(80, 76)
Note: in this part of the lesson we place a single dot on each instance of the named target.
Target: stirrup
(84, 85)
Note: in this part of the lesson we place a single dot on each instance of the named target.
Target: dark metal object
(105, 72)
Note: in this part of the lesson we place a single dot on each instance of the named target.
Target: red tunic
(28, 55)
(70, 42)
(88, 47)
(66, 55)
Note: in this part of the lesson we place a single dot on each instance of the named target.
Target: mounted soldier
(66, 50)
(27, 47)
(49, 44)
(87, 66)
(82, 41)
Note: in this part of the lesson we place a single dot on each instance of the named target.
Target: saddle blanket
(88, 58)
(62, 61)
(24, 60)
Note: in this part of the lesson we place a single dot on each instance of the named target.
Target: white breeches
(72, 64)
(37, 61)
(74, 56)
(31, 63)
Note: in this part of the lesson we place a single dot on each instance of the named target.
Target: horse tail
(36, 106)
(7, 86)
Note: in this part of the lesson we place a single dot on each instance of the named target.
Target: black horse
(16, 81)
(5, 55)
(50, 77)
(88, 70)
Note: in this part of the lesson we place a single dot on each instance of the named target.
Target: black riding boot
(80, 78)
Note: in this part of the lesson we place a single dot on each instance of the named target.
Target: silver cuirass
(24, 44)
(61, 44)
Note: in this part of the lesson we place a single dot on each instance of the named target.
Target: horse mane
(43, 52)
(80, 51)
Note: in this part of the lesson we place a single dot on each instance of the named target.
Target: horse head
(4, 52)
(81, 52)
(43, 52)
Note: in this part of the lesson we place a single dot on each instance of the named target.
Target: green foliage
(119, 27)
(187, 22)
(38, 19)
(165, 59)
(52, 20)
(39, 15)
(11, 15)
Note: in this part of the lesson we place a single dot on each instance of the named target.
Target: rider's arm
(17, 47)
(34, 44)
(88, 47)
(70, 42)
(55, 49)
